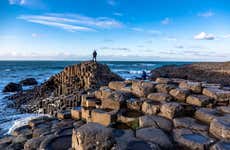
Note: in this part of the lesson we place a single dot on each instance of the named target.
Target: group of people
(143, 76)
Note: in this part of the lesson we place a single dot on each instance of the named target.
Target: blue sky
(179, 30)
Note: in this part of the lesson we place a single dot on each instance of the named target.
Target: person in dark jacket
(144, 75)
(94, 55)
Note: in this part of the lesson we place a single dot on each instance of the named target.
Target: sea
(14, 71)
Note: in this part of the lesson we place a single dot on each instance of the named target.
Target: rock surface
(28, 82)
(12, 87)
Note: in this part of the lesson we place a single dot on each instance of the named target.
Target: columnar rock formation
(64, 90)
(167, 113)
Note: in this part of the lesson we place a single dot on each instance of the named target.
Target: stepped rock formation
(211, 72)
(65, 88)
(135, 114)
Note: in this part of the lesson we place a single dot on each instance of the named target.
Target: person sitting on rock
(94, 55)
(144, 75)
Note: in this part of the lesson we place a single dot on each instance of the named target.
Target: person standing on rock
(94, 55)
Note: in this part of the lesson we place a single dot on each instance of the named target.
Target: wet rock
(34, 143)
(187, 139)
(220, 127)
(12, 87)
(28, 82)
(143, 88)
(154, 135)
(5, 141)
(159, 97)
(150, 107)
(40, 120)
(103, 117)
(179, 94)
(23, 130)
(92, 136)
(56, 142)
(155, 121)
(171, 110)
(221, 145)
(198, 100)
(190, 123)
(206, 115)
(140, 144)
(195, 87)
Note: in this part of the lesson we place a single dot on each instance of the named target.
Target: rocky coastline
(93, 108)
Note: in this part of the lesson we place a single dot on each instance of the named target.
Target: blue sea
(14, 71)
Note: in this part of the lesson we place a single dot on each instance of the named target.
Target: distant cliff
(213, 72)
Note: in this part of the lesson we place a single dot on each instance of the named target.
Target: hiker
(94, 56)
(144, 75)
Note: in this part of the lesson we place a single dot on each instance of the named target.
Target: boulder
(159, 97)
(198, 100)
(195, 87)
(142, 88)
(64, 115)
(33, 143)
(171, 110)
(92, 136)
(28, 82)
(220, 127)
(217, 94)
(12, 87)
(179, 94)
(165, 88)
(155, 121)
(76, 113)
(134, 103)
(116, 85)
(103, 117)
(154, 135)
(189, 123)
(206, 115)
(186, 139)
(151, 107)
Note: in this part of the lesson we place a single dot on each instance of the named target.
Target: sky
(144, 30)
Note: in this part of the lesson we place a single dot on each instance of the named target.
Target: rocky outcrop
(28, 82)
(12, 87)
(168, 113)
(210, 72)
(64, 90)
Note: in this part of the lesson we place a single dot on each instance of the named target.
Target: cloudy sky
(179, 30)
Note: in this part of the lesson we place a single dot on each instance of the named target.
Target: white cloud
(72, 22)
(137, 29)
(117, 14)
(206, 14)
(166, 21)
(226, 36)
(17, 2)
(204, 36)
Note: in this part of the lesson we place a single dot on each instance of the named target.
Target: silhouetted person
(144, 75)
(94, 56)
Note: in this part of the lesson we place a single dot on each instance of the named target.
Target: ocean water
(14, 71)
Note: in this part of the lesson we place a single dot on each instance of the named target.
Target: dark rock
(12, 87)
(28, 82)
